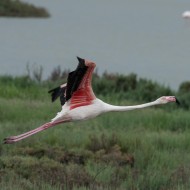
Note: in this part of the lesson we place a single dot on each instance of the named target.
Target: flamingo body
(82, 112)
(79, 101)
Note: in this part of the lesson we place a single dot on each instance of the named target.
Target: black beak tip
(177, 102)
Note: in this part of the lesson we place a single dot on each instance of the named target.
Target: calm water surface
(146, 37)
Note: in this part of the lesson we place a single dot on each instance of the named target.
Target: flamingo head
(167, 99)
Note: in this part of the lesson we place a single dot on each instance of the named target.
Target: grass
(138, 150)
(94, 154)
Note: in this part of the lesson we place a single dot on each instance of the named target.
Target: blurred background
(147, 37)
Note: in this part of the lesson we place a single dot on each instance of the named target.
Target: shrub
(20, 9)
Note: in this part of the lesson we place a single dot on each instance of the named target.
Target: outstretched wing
(59, 92)
(78, 87)
(84, 94)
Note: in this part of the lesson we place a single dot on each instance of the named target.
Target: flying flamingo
(186, 14)
(79, 101)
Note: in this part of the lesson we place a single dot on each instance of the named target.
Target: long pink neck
(128, 108)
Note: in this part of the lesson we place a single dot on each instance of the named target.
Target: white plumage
(186, 14)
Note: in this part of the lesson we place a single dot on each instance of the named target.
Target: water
(146, 37)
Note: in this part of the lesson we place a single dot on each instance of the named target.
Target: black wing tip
(54, 89)
(80, 60)
(50, 91)
(55, 93)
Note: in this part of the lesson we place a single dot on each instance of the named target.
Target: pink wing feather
(84, 95)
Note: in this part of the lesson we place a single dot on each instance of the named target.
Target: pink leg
(13, 139)
(29, 132)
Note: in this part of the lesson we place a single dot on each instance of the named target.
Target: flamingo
(186, 14)
(79, 101)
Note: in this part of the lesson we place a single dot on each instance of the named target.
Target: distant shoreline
(9, 8)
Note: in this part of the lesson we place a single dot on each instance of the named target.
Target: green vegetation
(138, 150)
(16, 8)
